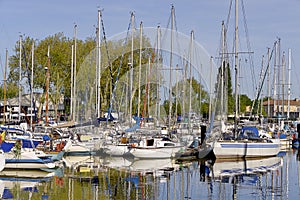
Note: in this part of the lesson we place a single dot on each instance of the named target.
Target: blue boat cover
(7, 146)
(7, 194)
(29, 143)
(249, 132)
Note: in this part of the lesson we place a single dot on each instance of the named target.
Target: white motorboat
(156, 148)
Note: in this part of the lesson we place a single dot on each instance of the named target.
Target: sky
(267, 20)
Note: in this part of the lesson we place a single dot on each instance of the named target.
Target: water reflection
(96, 177)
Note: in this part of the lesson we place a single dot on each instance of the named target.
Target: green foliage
(228, 95)
(13, 90)
(244, 102)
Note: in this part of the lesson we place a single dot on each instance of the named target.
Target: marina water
(97, 177)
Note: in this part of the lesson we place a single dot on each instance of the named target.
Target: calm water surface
(120, 178)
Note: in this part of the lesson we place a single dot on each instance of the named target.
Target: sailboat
(245, 142)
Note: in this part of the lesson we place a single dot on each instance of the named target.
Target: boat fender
(132, 145)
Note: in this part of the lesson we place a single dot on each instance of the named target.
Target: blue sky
(266, 20)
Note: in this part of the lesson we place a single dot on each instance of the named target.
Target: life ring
(133, 145)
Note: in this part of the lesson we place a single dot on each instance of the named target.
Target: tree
(60, 64)
(244, 102)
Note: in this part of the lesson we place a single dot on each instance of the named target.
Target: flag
(2, 137)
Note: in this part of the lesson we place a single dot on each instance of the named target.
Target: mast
(275, 82)
(278, 74)
(148, 86)
(47, 86)
(222, 71)
(171, 58)
(210, 93)
(261, 82)
(176, 89)
(236, 70)
(31, 95)
(75, 72)
(190, 84)
(289, 81)
(184, 84)
(72, 82)
(131, 68)
(283, 82)
(99, 66)
(157, 74)
(20, 77)
(4, 86)
(269, 82)
(140, 69)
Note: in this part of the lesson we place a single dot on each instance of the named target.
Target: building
(12, 112)
(283, 108)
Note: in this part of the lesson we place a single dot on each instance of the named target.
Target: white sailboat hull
(26, 160)
(155, 152)
(245, 149)
(116, 150)
(2, 161)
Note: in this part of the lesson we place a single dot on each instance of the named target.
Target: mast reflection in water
(124, 178)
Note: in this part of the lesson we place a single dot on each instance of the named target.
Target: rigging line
(119, 69)
(228, 16)
(27, 70)
(28, 74)
(248, 45)
(265, 74)
(108, 57)
(295, 74)
(147, 86)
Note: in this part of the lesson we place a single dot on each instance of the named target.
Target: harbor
(148, 113)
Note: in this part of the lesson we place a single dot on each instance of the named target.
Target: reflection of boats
(226, 169)
(24, 180)
(153, 165)
(26, 173)
(117, 162)
(81, 161)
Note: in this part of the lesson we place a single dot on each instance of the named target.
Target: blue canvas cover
(7, 146)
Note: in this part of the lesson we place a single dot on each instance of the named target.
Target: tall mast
(176, 89)
(157, 74)
(131, 68)
(31, 95)
(72, 83)
(20, 77)
(278, 74)
(185, 65)
(289, 81)
(171, 58)
(275, 81)
(75, 72)
(47, 86)
(269, 83)
(99, 66)
(283, 82)
(222, 71)
(210, 92)
(236, 70)
(148, 86)
(261, 81)
(4, 89)
(140, 69)
(190, 84)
